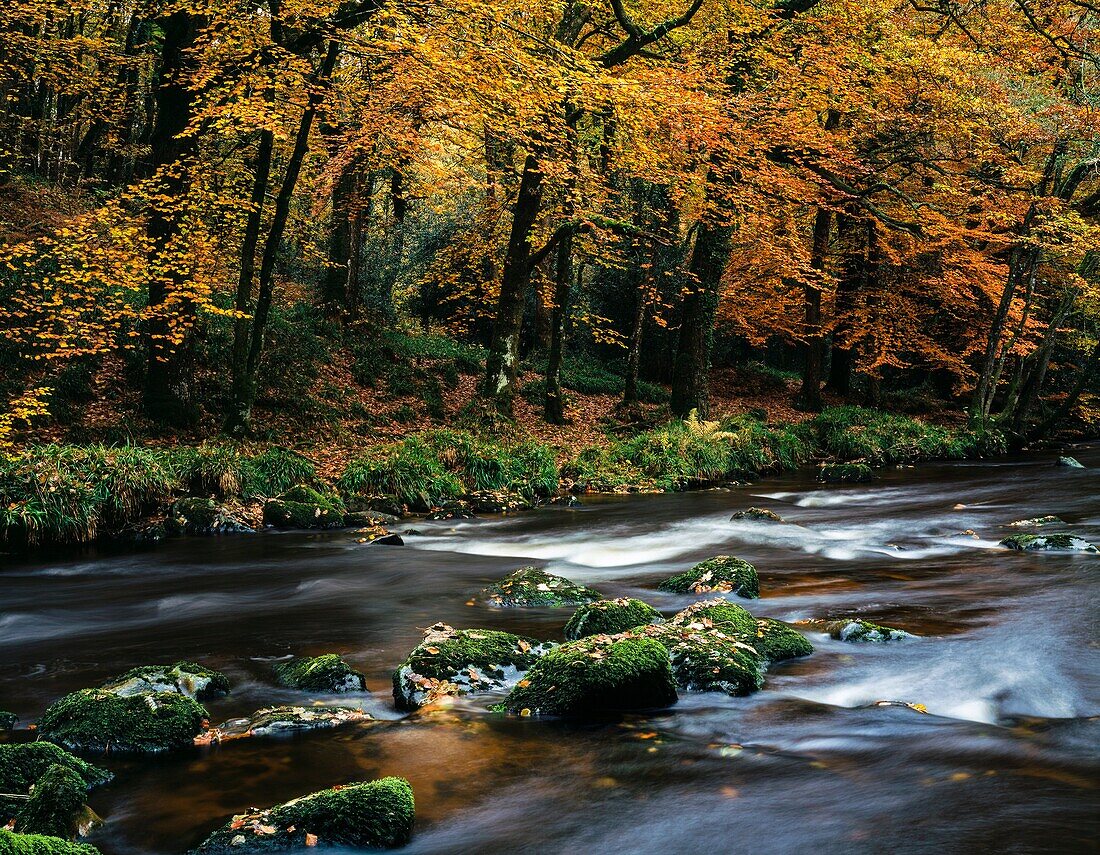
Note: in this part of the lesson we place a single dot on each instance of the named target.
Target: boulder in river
(39, 844)
(368, 519)
(608, 617)
(276, 721)
(372, 815)
(496, 502)
(100, 720)
(1048, 542)
(1071, 462)
(857, 629)
(202, 516)
(1038, 522)
(758, 514)
(57, 806)
(457, 510)
(185, 678)
(721, 574)
(24, 763)
(453, 661)
(596, 674)
(304, 507)
(773, 640)
(328, 673)
(845, 473)
(707, 659)
(7, 721)
(530, 586)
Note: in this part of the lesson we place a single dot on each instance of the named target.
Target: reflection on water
(1006, 759)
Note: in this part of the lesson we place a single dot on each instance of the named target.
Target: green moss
(201, 516)
(771, 639)
(855, 629)
(378, 814)
(757, 514)
(23, 763)
(275, 721)
(328, 673)
(609, 617)
(304, 507)
(596, 674)
(186, 678)
(845, 473)
(98, 720)
(461, 661)
(57, 805)
(37, 844)
(1049, 542)
(7, 720)
(530, 586)
(722, 573)
(707, 660)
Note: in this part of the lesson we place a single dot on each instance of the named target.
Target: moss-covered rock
(607, 617)
(772, 640)
(377, 815)
(99, 720)
(721, 574)
(1038, 522)
(38, 844)
(304, 507)
(456, 510)
(758, 514)
(1070, 462)
(328, 673)
(24, 763)
(276, 721)
(530, 586)
(1049, 543)
(707, 660)
(856, 629)
(497, 502)
(185, 678)
(202, 516)
(462, 661)
(845, 473)
(595, 674)
(57, 806)
(8, 721)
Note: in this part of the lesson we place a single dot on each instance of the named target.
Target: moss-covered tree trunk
(809, 397)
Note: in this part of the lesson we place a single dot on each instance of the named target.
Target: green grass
(431, 468)
(275, 470)
(590, 376)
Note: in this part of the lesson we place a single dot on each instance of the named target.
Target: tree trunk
(337, 286)
(1070, 402)
(634, 349)
(503, 358)
(554, 405)
(239, 421)
(167, 394)
(810, 396)
(690, 372)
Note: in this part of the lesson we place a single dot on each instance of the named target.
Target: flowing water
(1006, 759)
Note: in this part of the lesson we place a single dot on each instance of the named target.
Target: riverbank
(56, 494)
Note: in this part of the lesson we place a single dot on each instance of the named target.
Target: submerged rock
(721, 574)
(1071, 462)
(856, 629)
(39, 844)
(377, 815)
(328, 673)
(304, 507)
(1049, 542)
(596, 674)
(100, 720)
(530, 586)
(772, 640)
(845, 473)
(707, 659)
(496, 502)
(368, 519)
(761, 514)
(458, 510)
(57, 806)
(275, 721)
(24, 763)
(185, 678)
(7, 720)
(565, 500)
(202, 516)
(1038, 522)
(608, 617)
(453, 661)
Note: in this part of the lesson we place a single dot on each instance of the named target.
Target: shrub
(879, 438)
(275, 470)
(213, 469)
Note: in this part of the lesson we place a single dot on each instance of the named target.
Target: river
(1005, 760)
